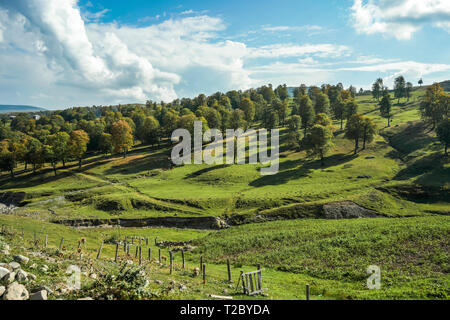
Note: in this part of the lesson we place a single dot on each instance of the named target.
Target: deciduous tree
(78, 142)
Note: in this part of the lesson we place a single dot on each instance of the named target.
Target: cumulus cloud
(399, 18)
(109, 61)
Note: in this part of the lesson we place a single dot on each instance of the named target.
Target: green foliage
(443, 133)
(319, 141)
(385, 108)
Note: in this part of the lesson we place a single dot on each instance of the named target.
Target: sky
(63, 53)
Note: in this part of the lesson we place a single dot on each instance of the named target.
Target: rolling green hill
(295, 223)
(18, 108)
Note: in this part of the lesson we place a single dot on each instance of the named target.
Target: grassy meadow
(402, 175)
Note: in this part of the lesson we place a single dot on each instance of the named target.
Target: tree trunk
(356, 145)
(342, 123)
(389, 122)
(64, 163)
(79, 163)
(54, 168)
(364, 138)
(12, 173)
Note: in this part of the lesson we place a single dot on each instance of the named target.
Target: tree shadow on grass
(429, 170)
(291, 170)
(206, 170)
(159, 160)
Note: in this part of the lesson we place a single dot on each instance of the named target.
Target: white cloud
(292, 28)
(108, 62)
(408, 69)
(291, 50)
(399, 18)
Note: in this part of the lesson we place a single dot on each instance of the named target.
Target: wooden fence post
(204, 274)
(117, 252)
(159, 255)
(171, 261)
(140, 255)
(100, 250)
(61, 244)
(149, 254)
(45, 242)
(136, 254)
(229, 271)
(182, 256)
(307, 292)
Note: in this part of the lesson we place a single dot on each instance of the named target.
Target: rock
(93, 276)
(40, 295)
(44, 268)
(14, 265)
(21, 276)
(31, 276)
(86, 299)
(21, 259)
(4, 251)
(196, 272)
(16, 291)
(2, 290)
(40, 288)
(182, 287)
(370, 157)
(33, 266)
(9, 278)
(3, 272)
(6, 247)
(346, 210)
(158, 282)
(364, 177)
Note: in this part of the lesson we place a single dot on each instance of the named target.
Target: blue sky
(63, 53)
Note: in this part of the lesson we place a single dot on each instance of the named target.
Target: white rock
(85, 299)
(40, 295)
(2, 290)
(31, 276)
(9, 278)
(21, 276)
(21, 259)
(3, 272)
(14, 265)
(16, 291)
(93, 276)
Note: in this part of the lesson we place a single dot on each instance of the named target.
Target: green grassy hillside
(402, 176)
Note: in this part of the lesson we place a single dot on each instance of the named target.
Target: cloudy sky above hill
(62, 53)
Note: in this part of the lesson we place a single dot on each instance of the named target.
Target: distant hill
(18, 108)
(445, 85)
